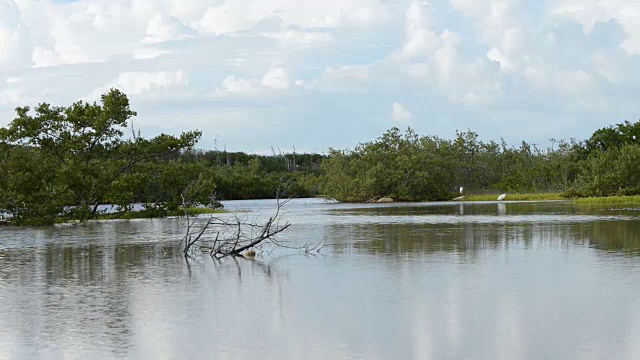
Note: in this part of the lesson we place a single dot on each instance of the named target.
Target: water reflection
(393, 239)
(436, 282)
(502, 209)
(413, 239)
(619, 236)
(106, 301)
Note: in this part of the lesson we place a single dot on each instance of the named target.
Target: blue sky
(253, 74)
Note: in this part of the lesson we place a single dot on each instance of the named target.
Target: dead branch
(233, 234)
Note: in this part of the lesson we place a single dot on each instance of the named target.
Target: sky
(310, 74)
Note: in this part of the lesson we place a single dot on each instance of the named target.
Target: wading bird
(461, 190)
(501, 197)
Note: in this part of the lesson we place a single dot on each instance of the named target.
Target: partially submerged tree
(68, 159)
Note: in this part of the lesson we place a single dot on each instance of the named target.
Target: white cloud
(234, 85)
(12, 80)
(13, 93)
(145, 53)
(399, 113)
(300, 38)
(276, 78)
(420, 38)
(349, 72)
(12, 97)
(509, 50)
(466, 63)
(10, 31)
(347, 78)
(163, 28)
(233, 16)
(574, 82)
(434, 56)
(43, 57)
(419, 70)
(138, 83)
(589, 12)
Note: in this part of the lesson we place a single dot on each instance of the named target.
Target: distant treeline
(240, 176)
(407, 166)
(61, 163)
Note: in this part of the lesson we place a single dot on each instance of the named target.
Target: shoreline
(525, 197)
(488, 198)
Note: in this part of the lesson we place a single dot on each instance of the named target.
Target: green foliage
(63, 162)
(253, 181)
(29, 188)
(408, 167)
(612, 172)
(404, 167)
(66, 161)
(612, 137)
(609, 162)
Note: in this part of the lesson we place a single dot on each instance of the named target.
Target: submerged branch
(237, 235)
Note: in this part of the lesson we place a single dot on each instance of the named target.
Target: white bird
(501, 197)
(461, 190)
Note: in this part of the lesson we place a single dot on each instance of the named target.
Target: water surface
(539, 280)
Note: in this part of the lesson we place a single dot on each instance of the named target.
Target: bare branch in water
(237, 234)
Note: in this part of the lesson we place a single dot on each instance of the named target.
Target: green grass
(609, 200)
(151, 214)
(516, 197)
(198, 211)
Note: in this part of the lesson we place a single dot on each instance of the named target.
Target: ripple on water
(440, 281)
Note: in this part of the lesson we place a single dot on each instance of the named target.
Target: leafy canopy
(66, 161)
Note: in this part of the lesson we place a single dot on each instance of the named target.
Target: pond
(527, 280)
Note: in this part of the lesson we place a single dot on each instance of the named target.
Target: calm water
(398, 281)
